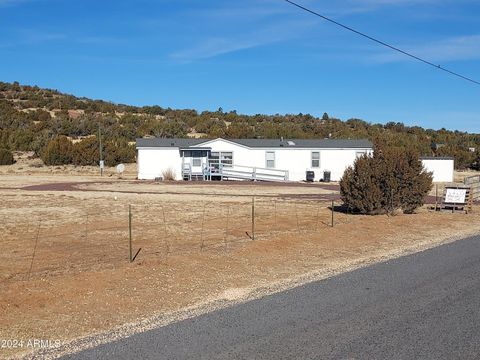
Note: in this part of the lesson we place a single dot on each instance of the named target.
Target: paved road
(423, 306)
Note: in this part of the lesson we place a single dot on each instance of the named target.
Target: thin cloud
(242, 11)
(408, 2)
(32, 37)
(461, 48)
(215, 46)
(351, 7)
(12, 2)
(35, 37)
(236, 26)
(395, 2)
(99, 40)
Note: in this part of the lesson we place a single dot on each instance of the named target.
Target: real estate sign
(456, 196)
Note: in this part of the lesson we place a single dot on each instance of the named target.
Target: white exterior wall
(242, 155)
(442, 169)
(296, 160)
(153, 161)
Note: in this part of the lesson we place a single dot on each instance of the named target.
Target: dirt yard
(65, 272)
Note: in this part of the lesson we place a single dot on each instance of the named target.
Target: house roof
(261, 143)
(168, 142)
(436, 158)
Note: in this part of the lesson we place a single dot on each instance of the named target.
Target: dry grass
(168, 174)
(460, 176)
(194, 249)
(27, 164)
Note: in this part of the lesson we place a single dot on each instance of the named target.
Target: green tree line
(31, 117)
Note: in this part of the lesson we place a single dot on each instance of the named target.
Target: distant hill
(30, 117)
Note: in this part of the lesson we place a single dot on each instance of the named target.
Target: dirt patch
(317, 192)
(65, 271)
(27, 164)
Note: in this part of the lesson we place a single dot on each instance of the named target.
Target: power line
(384, 43)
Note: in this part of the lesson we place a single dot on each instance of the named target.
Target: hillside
(30, 117)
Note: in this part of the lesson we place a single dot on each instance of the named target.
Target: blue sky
(253, 56)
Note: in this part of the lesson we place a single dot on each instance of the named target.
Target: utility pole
(100, 150)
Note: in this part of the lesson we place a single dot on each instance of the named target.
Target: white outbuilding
(442, 168)
(248, 159)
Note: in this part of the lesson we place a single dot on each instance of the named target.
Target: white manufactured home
(248, 159)
(442, 168)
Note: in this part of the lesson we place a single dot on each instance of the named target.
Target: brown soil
(65, 270)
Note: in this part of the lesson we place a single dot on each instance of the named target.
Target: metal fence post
(333, 205)
(167, 246)
(34, 249)
(296, 216)
(253, 218)
(203, 225)
(226, 228)
(275, 212)
(86, 227)
(130, 231)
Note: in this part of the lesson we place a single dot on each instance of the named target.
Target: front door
(195, 161)
(198, 163)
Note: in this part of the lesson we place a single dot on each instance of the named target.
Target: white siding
(296, 160)
(442, 169)
(241, 155)
(153, 161)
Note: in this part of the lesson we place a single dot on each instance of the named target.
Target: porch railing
(247, 173)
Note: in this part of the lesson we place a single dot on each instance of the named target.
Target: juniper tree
(388, 180)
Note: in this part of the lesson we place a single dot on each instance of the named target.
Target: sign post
(457, 197)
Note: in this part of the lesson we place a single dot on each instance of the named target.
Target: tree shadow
(344, 209)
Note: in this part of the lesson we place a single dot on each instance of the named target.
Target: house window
(226, 158)
(196, 154)
(270, 159)
(221, 157)
(315, 159)
(197, 162)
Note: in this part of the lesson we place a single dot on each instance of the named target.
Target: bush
(59, 151)
(168, 174)
(119, 151)
(86, 152)
(6, 157)
(389, 180)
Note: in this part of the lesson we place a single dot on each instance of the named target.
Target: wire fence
(49, 243)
